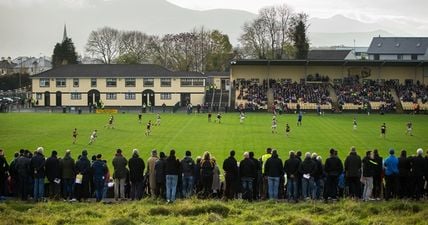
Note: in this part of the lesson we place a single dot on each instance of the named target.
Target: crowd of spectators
(284, 91)
(254, 91)
(299, 177)
(412, 92)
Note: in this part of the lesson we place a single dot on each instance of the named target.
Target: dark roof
(217, 74)
(114, 70)
(398, 45)
(328, 54)
(263, 62)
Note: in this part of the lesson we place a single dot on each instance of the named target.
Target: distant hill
(34, 29)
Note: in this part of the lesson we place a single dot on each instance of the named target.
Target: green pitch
(194, 132)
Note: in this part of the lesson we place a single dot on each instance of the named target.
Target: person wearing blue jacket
(391, 175)
(98, 171)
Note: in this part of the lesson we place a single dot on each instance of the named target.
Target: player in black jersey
(75, 135)
(148, 128)
(383, 130)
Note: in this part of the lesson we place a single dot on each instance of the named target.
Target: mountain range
(34, 29)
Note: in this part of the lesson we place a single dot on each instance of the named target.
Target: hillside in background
(35, 31)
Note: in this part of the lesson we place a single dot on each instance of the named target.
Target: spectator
(38, 169)
(160, 176)
(291, 168)
(53, 174)
(23, 168)
(369, 166)
(353, 173)
(207, 172)
(172, 169)
(14, 175)
(4, 173)
(68, 176)
(319, 176)
(119, 175)
(188, 169)
(391, 175)
(419, 165)
(333, 168)
(404, 168)
(258, 178)
(377, 176)
(83, 169)
(99, 170)
(151, 162)
(263, 160)
(216, 179)
(274, 171)
(136, 175)
(230, 167)
(247, 171)
(308, 168)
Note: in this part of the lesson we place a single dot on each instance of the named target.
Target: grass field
(347, 212)
(193, 132)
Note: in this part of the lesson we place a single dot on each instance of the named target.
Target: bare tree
(104, 43)
(136, 44)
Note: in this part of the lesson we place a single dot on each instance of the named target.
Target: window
(111, 96)
(130, 96)
(198, 82)
(399, 57)
(186, 82)
(39, 96)
(129, 82)
(60, 82)
(376, 57)
(76, 96)
(111, 82)
(44, 82)
(93, 82)
(414, 57)
(148, 82)
(165, 82)
(165, 96)
(75, 82)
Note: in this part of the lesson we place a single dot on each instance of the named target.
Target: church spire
(64, 37)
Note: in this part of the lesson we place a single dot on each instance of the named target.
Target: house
(398, 48)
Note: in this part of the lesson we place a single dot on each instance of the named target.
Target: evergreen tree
(300, 40)
(64, 53)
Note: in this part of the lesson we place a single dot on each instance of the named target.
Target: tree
(298, 32)
(267, 35)
(64, 53)
(104, 43)
(135, 47)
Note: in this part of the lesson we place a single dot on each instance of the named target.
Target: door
(47, 98)
(93, 97)
(185, 99)
(148, 98)
(58, 98)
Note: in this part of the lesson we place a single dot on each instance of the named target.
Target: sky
(364, 10)
(400, 17)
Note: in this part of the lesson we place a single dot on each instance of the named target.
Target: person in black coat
(377, 177)
(230, 167)
(172, 169)
(247, 172)
(259, 178)
(419, 168)
(274, 171)
(83, 169)
(160, 176)
(207, 173)
(136, 175)
(404, 167)
(38, 170)
(308, 169)
(23, 168)
(369, 168)
(53, 174)
(353, 173)
(291, 168)
(13, 175)
(4, 173)
(333, 168)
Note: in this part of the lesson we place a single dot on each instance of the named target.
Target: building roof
(115, 70)
(328, 54)
(217, 74)
(398, 45)
(263, 62)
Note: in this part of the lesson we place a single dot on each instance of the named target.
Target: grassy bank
(215, 212)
